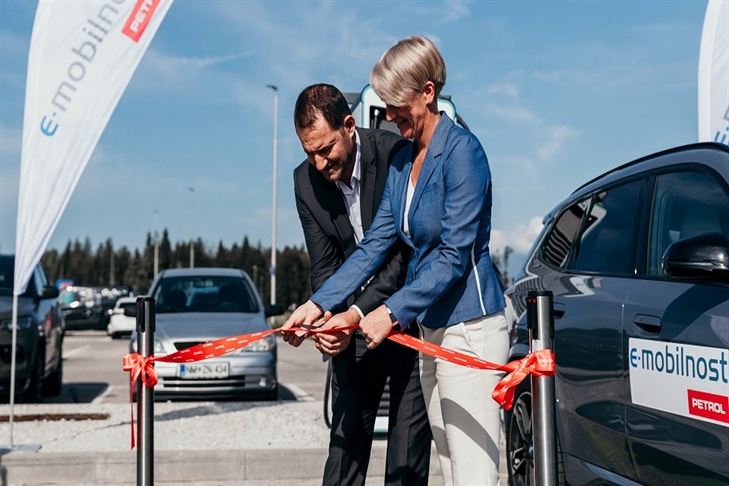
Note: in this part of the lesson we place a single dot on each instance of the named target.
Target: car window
(686, 203)
(607, 241)
(558, 242)
(7, 278)
(204, 294)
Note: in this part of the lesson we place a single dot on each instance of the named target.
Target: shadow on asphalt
(88, 392)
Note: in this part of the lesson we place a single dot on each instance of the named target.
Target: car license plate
(197, 371)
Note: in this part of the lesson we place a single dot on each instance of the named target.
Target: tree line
(106, 265)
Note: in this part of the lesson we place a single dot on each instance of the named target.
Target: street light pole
(192, 226)
(156, 242)
(273, 214)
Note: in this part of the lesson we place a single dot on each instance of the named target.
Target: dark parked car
(638, 264)
(196, 305)
(90, 307)
(39, 361)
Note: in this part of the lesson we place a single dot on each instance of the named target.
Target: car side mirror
(49, 292)
(700, 257)
(273, 310)
(130, 310)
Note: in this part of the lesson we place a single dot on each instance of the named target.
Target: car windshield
(204, 294)
(7, 277)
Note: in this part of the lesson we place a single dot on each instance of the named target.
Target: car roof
(658, 159)
(125, 300)
(713, 154)
(202, 271)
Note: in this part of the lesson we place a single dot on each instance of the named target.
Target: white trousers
(465, 420)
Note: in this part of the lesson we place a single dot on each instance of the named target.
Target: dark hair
(323, 99)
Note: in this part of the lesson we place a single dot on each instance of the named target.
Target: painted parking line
(68, 354)
(299, 393)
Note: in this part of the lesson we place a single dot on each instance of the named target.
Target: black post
(145, 395)
(540, 319)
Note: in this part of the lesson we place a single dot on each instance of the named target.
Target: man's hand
(306, 313)
(376, 326)
(333, 344)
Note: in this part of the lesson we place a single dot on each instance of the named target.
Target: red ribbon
(538, 363)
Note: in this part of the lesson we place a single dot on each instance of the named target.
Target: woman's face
(409, 117)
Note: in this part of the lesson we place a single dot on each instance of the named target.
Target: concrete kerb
(173, 466)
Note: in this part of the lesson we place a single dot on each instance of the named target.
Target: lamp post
(192, 226)
(156, 242)
(273, 213)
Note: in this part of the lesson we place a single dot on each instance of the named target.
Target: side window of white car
(686, 203)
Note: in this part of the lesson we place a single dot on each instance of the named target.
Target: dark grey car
(638, 263)
(39, 356)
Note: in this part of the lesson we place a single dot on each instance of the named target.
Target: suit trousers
(465, 420)
(358, 380)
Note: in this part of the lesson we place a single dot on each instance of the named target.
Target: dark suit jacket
(328, 233)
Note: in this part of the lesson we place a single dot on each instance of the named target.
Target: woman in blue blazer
(438, 201)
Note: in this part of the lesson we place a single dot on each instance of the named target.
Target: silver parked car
(196, 305)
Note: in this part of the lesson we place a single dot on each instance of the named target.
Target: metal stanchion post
(540, 319)
(145, 395)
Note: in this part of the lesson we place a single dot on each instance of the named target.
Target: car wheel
(34, 393)
(53, 385)
(520, 441)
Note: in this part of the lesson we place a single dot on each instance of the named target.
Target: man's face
(331, 151)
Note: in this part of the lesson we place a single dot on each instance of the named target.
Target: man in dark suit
(338, 189)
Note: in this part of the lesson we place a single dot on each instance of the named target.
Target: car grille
(180, 345)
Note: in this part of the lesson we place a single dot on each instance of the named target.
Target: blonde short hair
(405, 68)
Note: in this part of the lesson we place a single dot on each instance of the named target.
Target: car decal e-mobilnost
(691, 381)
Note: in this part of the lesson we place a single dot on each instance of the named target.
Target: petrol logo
(708, 405)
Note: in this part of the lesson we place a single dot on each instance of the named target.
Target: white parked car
(123, 318)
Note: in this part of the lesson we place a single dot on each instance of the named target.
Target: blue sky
(558, 92)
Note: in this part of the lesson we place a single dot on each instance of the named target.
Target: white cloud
(455, 9)
(509, 90)
(512, 114)
(557, 137)
(10, 143)
(520, 238)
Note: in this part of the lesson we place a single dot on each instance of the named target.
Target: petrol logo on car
(708, 405)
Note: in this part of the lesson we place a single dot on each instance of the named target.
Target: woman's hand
(376, 326)
(306, 313)
(333, 344)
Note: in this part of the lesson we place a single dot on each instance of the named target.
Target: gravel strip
(177, 426)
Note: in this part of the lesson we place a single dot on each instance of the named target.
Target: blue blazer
(450, 277)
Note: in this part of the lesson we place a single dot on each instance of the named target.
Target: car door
(677, 343)
(588, 330)
(50, 317)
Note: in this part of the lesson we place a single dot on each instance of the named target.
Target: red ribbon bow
(138, 365)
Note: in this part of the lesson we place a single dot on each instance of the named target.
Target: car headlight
(265, 344)
(23, 322)
(159, 350)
